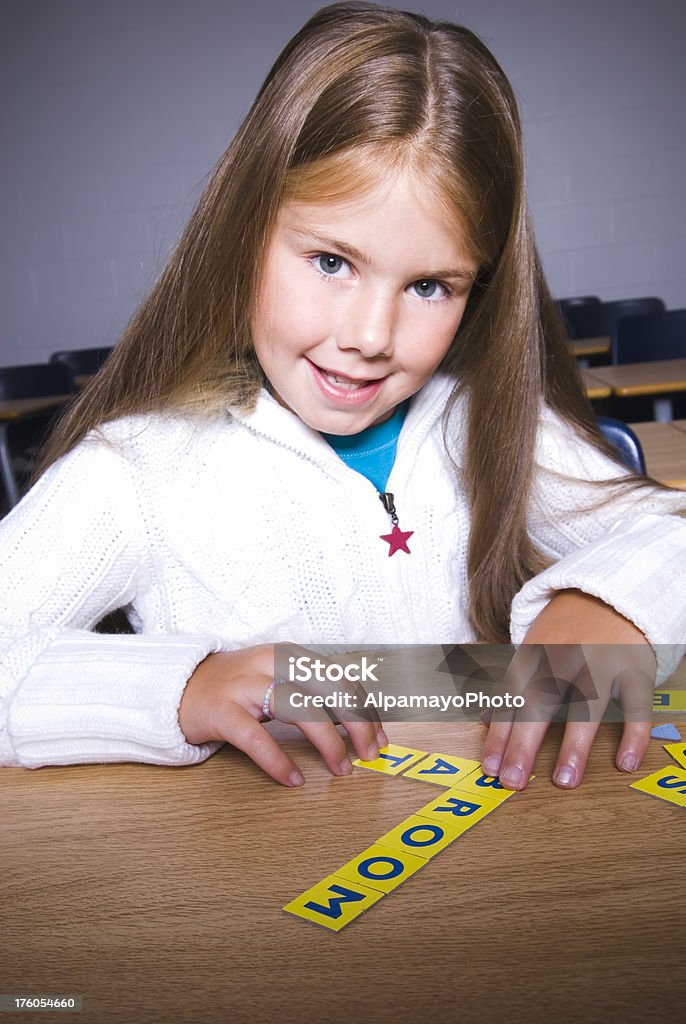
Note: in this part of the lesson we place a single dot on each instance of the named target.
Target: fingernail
(382, 738)
(373, 752)
(513, 775)
(491, 765)
(564, 776)
(295, 779)
(346, 766)
(629, 762)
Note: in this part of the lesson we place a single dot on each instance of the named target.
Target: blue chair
(82, 361)
(580, 315)
(613, 312)
(622, 437)
(598, 319)
(21, 435)
(35, 380)
(640, 339)
(658, 335)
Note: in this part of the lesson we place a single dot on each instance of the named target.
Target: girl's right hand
(223, 701)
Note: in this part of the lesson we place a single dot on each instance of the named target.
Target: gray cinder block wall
(112, 115)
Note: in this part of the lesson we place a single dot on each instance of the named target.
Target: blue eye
(330, 264)
(427, 288)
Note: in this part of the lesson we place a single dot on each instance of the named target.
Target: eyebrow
(338, 246)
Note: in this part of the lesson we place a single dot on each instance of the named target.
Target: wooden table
(594, 387)
(156, 894)
(585, 347)
(654, 379)
(20, 408)
(13, 411)
(664, 447)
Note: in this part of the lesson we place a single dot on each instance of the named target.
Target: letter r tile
(334, 902)
(393, 759)
(462, 809)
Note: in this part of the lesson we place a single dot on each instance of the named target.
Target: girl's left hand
(587, 644)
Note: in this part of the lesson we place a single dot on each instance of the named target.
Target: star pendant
(397, 540)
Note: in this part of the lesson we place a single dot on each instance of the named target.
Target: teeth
(345, 382)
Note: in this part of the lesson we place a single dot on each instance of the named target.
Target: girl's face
(359, 303)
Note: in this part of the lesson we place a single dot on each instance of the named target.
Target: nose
(369, 324)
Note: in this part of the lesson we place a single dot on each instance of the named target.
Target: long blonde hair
(360, 79)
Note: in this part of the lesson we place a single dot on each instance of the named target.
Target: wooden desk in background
(14, 411)
(664, 447)
(646, 379)
(595, 388)
(584, 347)
(156, 894)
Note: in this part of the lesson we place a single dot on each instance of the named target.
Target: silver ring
(267, 702)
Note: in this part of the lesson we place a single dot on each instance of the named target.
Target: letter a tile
(442, 770)
(334, 902)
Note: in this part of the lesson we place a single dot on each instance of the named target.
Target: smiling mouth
(346, 383)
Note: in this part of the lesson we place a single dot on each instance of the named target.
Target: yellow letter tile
(423, 837)
(462, 809)
(669, 700)
(393, 759)
(442, 770)
(381, 868)
(678, 752)
(667, 784)
(485, 785)
(334, 902)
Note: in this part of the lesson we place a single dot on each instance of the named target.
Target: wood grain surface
(156, 894)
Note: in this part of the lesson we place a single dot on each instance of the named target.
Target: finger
(351, 697)
(367, 738)
(344, 703)
(633, 745)
(330, 744)
(495, 745)
(514, 737)
(243, 732)
(636, 701)
(573, 754)
(499, 722)
(588, 699)
(520, 754)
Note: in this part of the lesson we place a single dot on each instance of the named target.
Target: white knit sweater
(249, 529)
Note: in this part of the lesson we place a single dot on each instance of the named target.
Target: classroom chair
(657, 335)
(21, 436)
(598, 319)
(622, 437)
(83, 362)
(576, 319)
(35, 380)
(640, 339)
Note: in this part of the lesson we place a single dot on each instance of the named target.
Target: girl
(358, 288)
